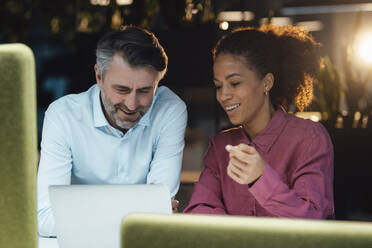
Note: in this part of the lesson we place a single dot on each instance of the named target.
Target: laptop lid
(91, 215)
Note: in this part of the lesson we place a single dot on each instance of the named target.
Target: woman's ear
(268, 81)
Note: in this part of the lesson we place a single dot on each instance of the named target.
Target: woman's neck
(256, 126)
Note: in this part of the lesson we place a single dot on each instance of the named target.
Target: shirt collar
(100, 118)
(265, 140)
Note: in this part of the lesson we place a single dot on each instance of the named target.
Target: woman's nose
(225, 94)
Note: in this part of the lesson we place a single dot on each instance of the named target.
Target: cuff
(264, 187)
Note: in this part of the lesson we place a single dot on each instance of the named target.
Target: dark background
(63, 36)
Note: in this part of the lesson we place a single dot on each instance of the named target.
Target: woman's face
(239, 90)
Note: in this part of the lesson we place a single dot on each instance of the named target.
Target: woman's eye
(234, 84)
(217, 87)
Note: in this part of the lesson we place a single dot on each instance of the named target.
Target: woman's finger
(233, 175)
(243, 166)
(246, 148)
(235, 152)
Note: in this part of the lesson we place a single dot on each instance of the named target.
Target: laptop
(91, 215)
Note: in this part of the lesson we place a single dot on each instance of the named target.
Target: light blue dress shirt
(79, 146)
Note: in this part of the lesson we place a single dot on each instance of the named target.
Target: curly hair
(290, 53)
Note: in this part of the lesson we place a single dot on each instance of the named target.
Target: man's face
(126, 92)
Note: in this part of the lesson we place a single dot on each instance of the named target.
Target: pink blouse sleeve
(206, 198)
(310, 193)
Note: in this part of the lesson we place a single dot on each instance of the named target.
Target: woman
(273, 164)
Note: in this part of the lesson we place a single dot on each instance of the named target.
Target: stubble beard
(112, 112)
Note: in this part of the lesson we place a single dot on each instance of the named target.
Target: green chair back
(200, 231)
(18, 147)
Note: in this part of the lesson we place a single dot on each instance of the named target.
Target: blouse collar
(267, 137)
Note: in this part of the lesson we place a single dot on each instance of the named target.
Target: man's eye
(144, 91)
(234, 84)
(122, 91)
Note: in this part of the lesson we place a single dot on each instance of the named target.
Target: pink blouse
(297, 181)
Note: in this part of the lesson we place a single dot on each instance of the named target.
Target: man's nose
(131, 101)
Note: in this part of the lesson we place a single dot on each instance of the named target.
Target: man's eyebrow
(146, 88)
(121, 87)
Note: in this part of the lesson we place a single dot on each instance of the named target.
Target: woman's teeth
(232, 107)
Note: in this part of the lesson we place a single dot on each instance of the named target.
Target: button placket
(122, 153)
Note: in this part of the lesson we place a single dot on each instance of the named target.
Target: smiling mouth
(232, 107)
(128, 113)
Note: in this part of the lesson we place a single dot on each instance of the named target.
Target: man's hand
(175, 204)
(245, 165)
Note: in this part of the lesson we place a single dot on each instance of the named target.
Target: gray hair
(137, 46)
(103, 60)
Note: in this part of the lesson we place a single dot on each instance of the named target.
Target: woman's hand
(245, 165)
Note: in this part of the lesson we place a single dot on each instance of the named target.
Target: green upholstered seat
(18, 147)
(201, 231)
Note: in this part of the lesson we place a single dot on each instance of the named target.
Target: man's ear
(98, 76)
(268, 81)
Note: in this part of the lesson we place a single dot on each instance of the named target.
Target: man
(123, 130)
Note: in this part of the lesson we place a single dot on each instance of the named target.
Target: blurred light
(364, 48)
(54, 23)
(104, 2)
(365, 121)
(188, 10)
(326, 9)
(194, 11)
(235, 16)
(277, 21)
(339, 122)
(83, 25)
(116, 20)
(325, 115)
(100, 2)
(224, 25)
(314, 116)
(124, 2)
(311, 25)
(357, 116)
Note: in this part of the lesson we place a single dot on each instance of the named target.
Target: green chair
(18, 147)
(201, 231)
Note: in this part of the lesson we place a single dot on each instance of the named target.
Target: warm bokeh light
(235, 16)
(224, 25)
(124, 2)
(314, 116)
(311, 25)
(116, 20)
(54, 23)
(100, 2)
(364, 48)
(277, 21)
